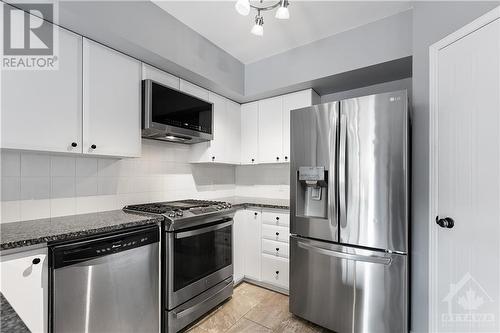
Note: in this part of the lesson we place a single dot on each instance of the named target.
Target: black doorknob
(36, 261)
(74, 144)
(446, 222)
(93, 146)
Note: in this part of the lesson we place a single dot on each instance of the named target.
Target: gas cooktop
(182, 210)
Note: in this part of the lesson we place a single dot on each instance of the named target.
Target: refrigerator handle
(348, 256)
(343, 170)
(332, 179)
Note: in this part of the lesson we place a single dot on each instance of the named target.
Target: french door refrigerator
(349, 214)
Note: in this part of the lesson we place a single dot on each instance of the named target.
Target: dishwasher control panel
(73, 253)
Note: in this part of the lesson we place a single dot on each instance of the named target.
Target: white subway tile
(86, 186)
(11, 188)
(108, 167)
(63, 187)
(62, 166)
(86, 167)
(11, 211)
(35, 188)
(107, 185)
(62, 206)
(11, 164)
(35, 165)
(35, 209)
(89, 204)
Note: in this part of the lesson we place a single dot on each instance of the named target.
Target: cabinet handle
(277, 234)
(93, 146)
(277, 272)
(253, 160)
(255, 213)
(286, 158)
(277, 158)
(213, 158)
(277, 218)
(74, 144)
(277, 249)
(36, 261)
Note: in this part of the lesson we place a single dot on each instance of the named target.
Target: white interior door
(465, 180)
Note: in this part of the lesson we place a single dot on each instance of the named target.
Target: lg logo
(26, 34)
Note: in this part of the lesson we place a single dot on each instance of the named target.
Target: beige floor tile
(295, 324)
(271, 312)
(196, 329)
(252, 291)
(247, 326)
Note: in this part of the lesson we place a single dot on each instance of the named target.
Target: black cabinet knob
(255, 213)
(277, 158)
(446, 222)
(213, 158)
(93, 146)
(36, 261)
(74, 144)
(277, 249)
(277, 218)
(277, 272)
(286, 158)
(253, 160)
(277, 234)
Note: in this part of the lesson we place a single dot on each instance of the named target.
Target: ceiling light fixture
(243, 7)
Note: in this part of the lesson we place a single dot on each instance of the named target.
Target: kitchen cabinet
(155, 74)
(297, 100)
(225, 146)
(24, 278)
(275, 271)
(270, 130)
(249, 133)
(194, 90)
(42, 109)
(239, 245)
(253, 241)
(111, 102)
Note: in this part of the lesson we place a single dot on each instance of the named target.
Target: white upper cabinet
(153, 73)
(111, 102)
(270, 130)
(297, 100)
(42, 109)
(249, 133)
(194, 90)
(225, 146)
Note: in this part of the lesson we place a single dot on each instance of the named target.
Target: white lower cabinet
(24, 283)
(275, 271)
(262, 247)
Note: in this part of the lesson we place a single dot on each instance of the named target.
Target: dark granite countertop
(9, 319)
(238, 201)
(27, 233)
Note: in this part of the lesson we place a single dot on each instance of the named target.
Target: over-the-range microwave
(171, 115)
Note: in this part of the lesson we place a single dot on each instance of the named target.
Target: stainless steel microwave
(172, 115)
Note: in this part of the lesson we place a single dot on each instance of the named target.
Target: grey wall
(145, 31)
(431, 22)
(369, 90)
(374, 43)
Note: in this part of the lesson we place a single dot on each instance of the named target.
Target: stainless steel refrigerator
(349, 214)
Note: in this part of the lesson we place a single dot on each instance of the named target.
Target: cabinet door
(24, 283)
(112, 97)
(300, 99)
(233, 128)
(239, 245)
(249, 133)
(152, 73)
(270, 130)
(253, 244)
(194, 90)
(42, 109)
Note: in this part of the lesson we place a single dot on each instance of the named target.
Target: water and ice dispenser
(312, 192)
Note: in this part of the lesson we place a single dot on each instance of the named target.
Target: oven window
(198, 256)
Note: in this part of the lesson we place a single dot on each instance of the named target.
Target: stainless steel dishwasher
(107, 284)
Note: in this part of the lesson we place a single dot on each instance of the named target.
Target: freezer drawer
(347, 289)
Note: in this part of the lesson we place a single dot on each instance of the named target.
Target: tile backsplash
(39, 185)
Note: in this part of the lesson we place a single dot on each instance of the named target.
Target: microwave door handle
(195, 232)
(348, 256)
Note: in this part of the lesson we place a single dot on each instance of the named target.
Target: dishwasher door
(107, 285)
(347, 289)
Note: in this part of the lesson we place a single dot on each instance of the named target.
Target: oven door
(198, 259)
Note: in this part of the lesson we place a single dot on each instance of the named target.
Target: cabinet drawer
(275, 271)
(276, 233)
(277, 249)
(276, 218)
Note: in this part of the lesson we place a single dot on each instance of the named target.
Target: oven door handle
(195, 232)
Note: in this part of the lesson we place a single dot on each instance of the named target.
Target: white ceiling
(309, 21)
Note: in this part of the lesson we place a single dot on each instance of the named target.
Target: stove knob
(228, 205)
(219, 207)
(171, 214)
(179, 213)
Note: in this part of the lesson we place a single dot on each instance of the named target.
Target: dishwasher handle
(74, 253)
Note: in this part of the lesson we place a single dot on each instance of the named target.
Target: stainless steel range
(197, 257)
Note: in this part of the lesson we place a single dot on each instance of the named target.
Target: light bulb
(282, 13)
(257, 30)
(242, 7)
